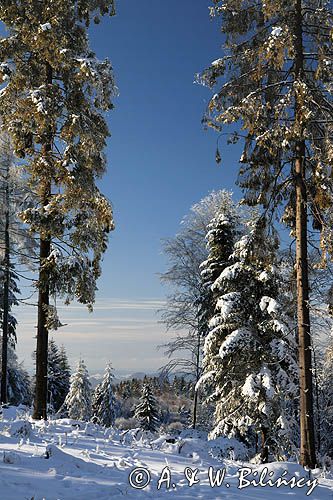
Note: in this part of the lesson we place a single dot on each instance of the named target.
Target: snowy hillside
(70, 460)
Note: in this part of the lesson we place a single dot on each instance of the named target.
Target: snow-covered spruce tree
(78, 400)
(66, 373)
(275, 79)
(54, 93)
(8, 296)
(58, 377)
(325, 417)
(147, 411)
(104, 403)
(222, 232)
(19, 383)
(250, 368)
(16, 245)
(189, 304)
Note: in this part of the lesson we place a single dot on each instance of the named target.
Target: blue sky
(161, 161)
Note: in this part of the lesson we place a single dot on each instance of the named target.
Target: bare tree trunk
(40, 402)
(195, 409)
(196, 394)
(4, 349)
(303, 318)
(264, 447)
(307, 452)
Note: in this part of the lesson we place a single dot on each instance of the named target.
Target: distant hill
(96, 378)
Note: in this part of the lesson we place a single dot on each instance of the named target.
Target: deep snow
(69, 460)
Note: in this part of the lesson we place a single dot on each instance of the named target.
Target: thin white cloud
(111, 304)
(124, 331)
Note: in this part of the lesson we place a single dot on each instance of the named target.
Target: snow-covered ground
(68, 460)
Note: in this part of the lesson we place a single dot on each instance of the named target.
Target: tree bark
(6, 305)
(40, 402)
(307, 451)
(264, 447)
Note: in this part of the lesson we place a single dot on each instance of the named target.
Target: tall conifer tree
(58, 377)
(65, 371)
(16, 245)
(55, 91)
(250, 368)
(276, 77)
(147, 411)
(78, 400)
(104, 404)
(19, 383)
(189, 306)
